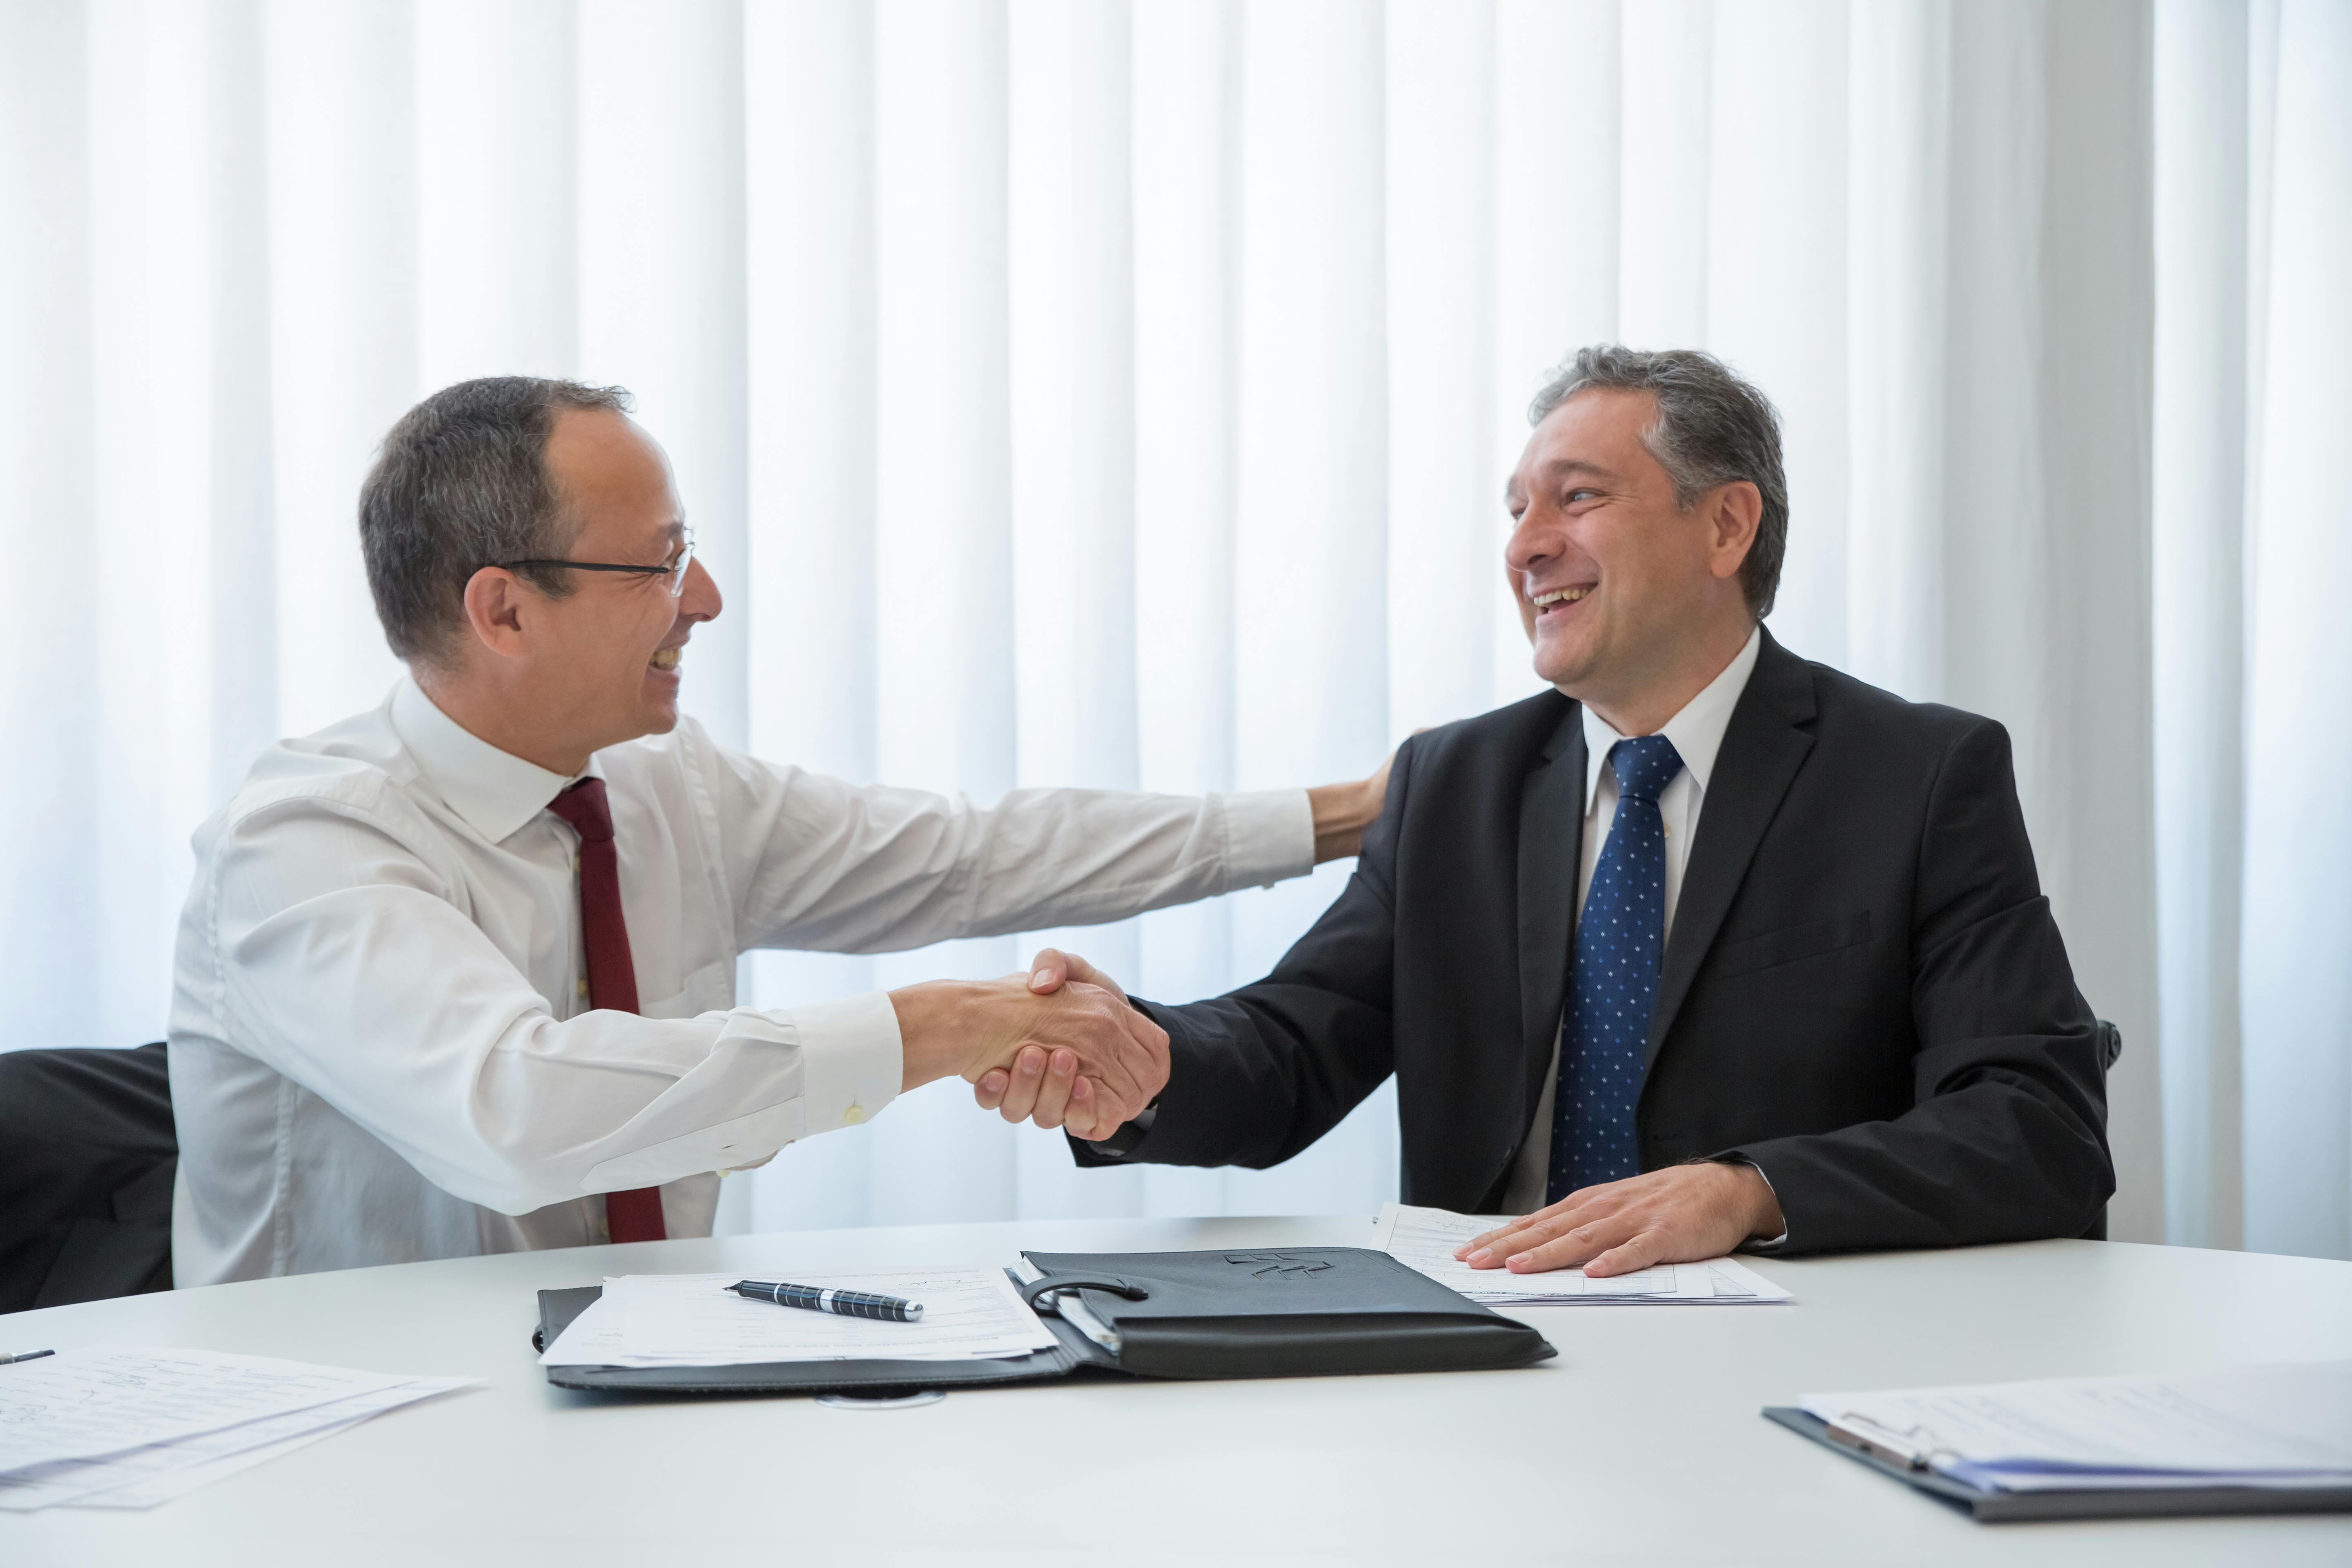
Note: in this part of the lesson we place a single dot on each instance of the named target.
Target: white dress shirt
(1697, 735)
(381, 1046)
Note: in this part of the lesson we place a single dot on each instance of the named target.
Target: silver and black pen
(846, 1303)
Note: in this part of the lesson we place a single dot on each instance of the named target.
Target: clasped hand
(1059, 1045)
(1038, 1085)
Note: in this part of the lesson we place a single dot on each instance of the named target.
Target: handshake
(1059, 1045)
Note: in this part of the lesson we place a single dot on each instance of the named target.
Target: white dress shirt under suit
(1697, 735)
(380, 1046)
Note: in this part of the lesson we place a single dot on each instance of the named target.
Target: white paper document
(2254, 1426)
(130, 1427)
(1424, 1239)
(693, 1319)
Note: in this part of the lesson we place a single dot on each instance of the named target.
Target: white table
(1641, 1442)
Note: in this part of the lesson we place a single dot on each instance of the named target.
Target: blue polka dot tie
(1619, 939)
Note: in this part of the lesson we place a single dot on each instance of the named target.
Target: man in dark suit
(1711, 946)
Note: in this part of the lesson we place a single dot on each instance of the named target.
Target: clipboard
(2017, 1508)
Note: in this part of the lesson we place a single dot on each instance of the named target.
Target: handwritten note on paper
(77, 1405)
(1424, 1239)
(693, 1320)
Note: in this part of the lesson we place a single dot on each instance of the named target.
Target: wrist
(1761, 1203)
(936, 1030)
(1342, 812)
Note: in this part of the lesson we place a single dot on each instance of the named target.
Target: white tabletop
(1641, 1442)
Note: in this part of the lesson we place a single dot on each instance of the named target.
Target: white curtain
(1118, 392)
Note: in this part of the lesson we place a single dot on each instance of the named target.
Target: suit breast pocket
(1790, 943)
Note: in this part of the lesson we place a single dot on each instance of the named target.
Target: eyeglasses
(673, 569)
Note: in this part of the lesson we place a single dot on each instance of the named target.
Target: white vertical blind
(1119, 392)
(2297, 936)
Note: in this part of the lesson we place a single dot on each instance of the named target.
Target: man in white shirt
(457, 976)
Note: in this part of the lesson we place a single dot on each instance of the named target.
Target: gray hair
(461, 483)
(1712, 429)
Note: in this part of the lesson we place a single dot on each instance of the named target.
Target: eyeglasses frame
(674, 569)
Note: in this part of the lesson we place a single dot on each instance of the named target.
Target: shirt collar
(1696, 731)
(495, 792)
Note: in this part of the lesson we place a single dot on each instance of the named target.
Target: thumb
(1053, 968)
(1049, 969)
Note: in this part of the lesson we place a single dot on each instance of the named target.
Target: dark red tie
(612, 973)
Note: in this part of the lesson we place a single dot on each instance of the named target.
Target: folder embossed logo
(1277, 1265)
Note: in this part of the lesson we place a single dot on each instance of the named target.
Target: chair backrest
(87, 1154)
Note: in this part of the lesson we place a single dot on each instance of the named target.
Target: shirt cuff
(1269, 837)
(1122, 1142)
(852, 1059)
(1776, 1243)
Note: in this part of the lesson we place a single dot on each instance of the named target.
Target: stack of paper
(1425, 1239)
(129, 1429)
(2249, 1427)
(693, 1319)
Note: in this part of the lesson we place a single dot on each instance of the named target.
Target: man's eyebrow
(1556, 468)
(1560, 466)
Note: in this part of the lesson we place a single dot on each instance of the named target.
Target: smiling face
(606, 656)
(1623, 592)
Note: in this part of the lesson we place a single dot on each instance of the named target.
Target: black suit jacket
(1864, 991)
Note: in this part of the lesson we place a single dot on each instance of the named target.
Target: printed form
(125, 1428)
(693, 1319)
(1425, 1238)
(2280, 1426)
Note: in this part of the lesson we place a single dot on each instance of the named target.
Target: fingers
(1053, 968)
(1124, 1052)
(1055, 1089)
(1043, 1088)
(1492, 1249)
(1485, 1241)
(1086, 1117)
(1645, 1247)
(1028, 1078)
(1575, 1246)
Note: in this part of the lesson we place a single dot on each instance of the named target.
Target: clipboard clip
(1914, 1449)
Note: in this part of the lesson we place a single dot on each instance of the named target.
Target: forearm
(876, 871)
(1342, 813)
(542, 1110)
(1987, 1164)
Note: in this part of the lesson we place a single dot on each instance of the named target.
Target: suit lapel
(1763, 747)
(1551, 828)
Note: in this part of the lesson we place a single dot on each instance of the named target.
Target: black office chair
(2111, 1049)
(88, 1151)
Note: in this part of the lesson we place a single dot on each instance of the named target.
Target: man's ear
(495, 602)
(1738, 513)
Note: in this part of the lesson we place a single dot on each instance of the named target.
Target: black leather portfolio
(2137, 1502)
(1290, 1311)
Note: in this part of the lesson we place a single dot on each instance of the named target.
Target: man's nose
(699, 600)
(1530, 544)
